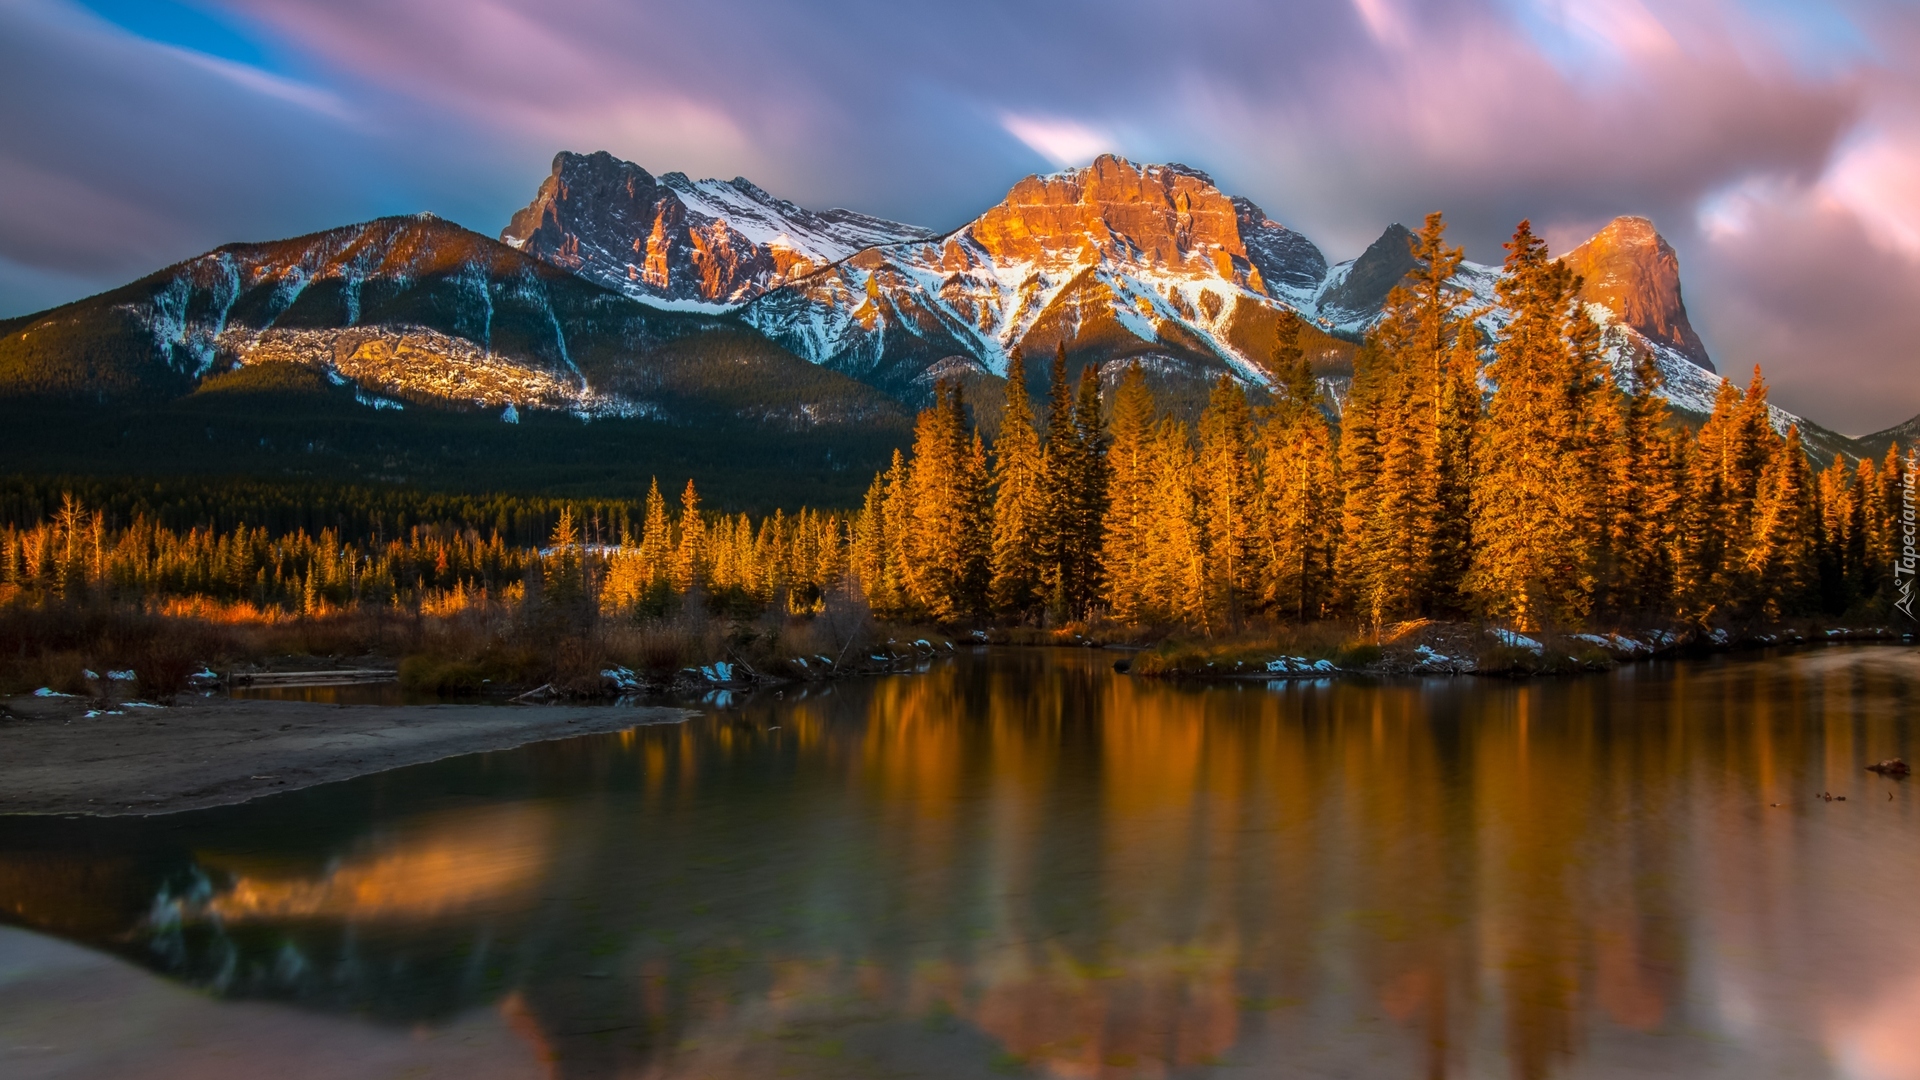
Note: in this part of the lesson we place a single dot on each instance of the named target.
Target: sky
(1775, 144)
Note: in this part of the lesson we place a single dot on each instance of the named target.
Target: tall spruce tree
(1175, 563)
(1060, 468)
(1090, 481)
(948, 549)
(656, 537)
(1535, 499)
(1786, 526)
(1301, 487)
(1074, 491)
(1019, 502)
(1641, 491)
(1456, 425)
(1124, 556)
(1229, 502)
(1406, 443)
(687, 556)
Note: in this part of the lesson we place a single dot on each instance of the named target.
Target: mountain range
(707, 322)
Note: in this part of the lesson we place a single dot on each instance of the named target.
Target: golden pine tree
(1124, 553)
(1229, 503)
(688, 554)
(1301, 488)
(1782, 557)
(1018, 502)
(1640, 494)
(1175, 563)
(656, 537)
(1536, 503)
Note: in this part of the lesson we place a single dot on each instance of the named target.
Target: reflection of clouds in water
(434, 867)
(1878, 1042)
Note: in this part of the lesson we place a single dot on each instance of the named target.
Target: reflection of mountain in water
(1028, 862)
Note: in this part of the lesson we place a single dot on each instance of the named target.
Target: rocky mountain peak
(1630, 268)
(1363, 288)
(709, 243)
(1166, 216)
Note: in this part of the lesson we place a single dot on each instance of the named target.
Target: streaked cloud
(1063, 142)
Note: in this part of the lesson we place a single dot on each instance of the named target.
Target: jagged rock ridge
(672, 239)
(1115, 260)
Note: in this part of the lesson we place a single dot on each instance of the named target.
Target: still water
(1021, 863)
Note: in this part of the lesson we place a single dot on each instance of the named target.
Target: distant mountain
(691, 243)
(419, 316)
(1875, 446)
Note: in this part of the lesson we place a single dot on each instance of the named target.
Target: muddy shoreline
(202, 752)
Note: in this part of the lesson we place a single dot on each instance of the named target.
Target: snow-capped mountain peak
(677, 242)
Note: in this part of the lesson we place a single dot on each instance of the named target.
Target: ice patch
(1517, 641)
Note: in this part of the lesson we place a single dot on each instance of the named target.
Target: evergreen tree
(656, 537)
(1536, 502)
(1131, 464)
(1090, 495)
(1074, 491)
(1060, 468)
(1019, 493)
(687, 556)
(1456, 424)
(1406, 444)
(1301, 487)
(564, 592)
(1640, 494)
(1229, 507)
(1782, 558)
(1174, 571)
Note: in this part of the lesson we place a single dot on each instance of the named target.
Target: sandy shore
(54, 759)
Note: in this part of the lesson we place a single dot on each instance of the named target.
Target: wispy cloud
(260, 81)
(1062, 142)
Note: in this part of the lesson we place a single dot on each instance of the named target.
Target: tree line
(1565, 495)
(730, 562)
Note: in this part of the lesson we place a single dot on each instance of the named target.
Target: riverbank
(56, 758)
(1428, 647)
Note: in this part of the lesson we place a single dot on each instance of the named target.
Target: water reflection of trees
(1032, 863)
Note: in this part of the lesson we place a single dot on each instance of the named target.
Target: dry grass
(467, 648)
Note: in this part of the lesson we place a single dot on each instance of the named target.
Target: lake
(1018, 862)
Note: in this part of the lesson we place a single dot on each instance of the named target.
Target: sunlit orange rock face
(1115, 261)
(1164, 216)
(1629, 268)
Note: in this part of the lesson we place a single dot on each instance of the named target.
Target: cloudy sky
(1775, 143)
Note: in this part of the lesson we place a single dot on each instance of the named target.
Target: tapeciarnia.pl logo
(1904, 564)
